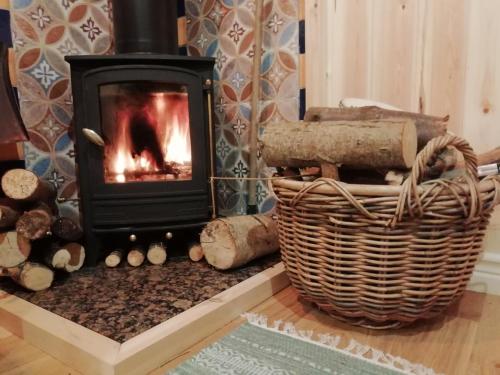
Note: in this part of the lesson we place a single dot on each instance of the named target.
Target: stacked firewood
(34, 240)
(364, 145)
(156, 254)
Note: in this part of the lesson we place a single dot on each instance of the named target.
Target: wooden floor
(466, 341)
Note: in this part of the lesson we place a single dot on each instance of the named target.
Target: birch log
(234, 241)
(35, 223)
(14, 249)
(428, 127)
(32, 276)
(23, 185)
(68, 257)
(114, 258)
(388, 143)
(136, 256)
(157, 253)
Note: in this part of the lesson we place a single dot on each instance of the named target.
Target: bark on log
(9, 212)
(136, 256)
(234, 241)
(23, 185)
(32, 276)
(114, 258)
(68, 257)
(428, 127)
(388, 143)
(35, 223)
(14, 249)
(196, 252)
(157, 253)
(66, 229)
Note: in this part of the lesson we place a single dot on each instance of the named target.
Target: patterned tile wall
(45, 30)
(224, 29)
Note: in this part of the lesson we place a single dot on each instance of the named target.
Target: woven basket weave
(385, 256)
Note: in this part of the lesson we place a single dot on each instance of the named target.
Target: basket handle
(434, 146)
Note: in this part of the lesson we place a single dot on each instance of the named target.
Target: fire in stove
(146, 130)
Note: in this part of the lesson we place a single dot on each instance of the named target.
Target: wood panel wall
(437, 57)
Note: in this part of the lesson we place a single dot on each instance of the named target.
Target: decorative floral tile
(44, 31)
(224, 29)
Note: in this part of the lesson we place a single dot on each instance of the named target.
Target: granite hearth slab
(132, 320)
(122, 302)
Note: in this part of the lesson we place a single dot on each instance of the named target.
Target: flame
(178, 148)
(147, 139)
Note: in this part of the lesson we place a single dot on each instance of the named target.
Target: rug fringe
(353, 348)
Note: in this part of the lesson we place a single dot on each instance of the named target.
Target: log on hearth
(114, 258)
(68, 257)
(136, 256)
(195, 252)
(428, 127)
(14, 249)
(234, 241)
(32, 276)
(35, 223)
(385, 143)
(157, 253)
(66, 229)
(24, 185)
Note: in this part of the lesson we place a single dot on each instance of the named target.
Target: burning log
(32, 276)
(136, 256)
(114, 258)
(66, 229)
(157, 253)
(35, 223)
(234, 241)
(9, 212)
(23, 185)
(14, 249)
(196, 252)
(385, 143)
(68, 257)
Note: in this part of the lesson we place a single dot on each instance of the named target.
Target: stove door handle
(93, 137)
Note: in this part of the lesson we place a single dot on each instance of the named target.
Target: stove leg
(92, 249)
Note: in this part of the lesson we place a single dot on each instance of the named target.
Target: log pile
(31, 230)
(155, 254)
(362, 145)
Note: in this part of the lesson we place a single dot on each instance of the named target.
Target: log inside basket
(387, 143)
(428, 127)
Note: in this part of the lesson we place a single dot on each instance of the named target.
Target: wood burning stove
(143, 140)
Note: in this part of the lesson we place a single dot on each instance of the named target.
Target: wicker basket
(384, 256)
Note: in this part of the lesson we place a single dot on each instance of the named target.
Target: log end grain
(135, 257)
(157, 254)
(14, 249)
(196, 252)
(33, 276)
(21, 184)
(114, 258)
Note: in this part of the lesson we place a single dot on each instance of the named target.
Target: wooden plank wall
(437, 57)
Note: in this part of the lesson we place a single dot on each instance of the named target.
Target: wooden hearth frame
(91, 353)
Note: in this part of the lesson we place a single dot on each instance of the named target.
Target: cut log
(363, 102)
(23, 185)
(387, 143)
(428, 127)
(157, 253)
(195, 252)
(114, 258)
(35, 223)
(68, 257)
(136, 256)
(66, 229)
(234, 241)
(32, 276)
(9, 212)
(14, 249)
(329, 171)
